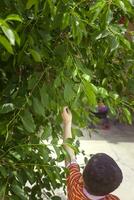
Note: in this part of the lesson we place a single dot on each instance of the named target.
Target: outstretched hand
(67, 120)
(66, 115)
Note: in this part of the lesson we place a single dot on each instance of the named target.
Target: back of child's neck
(90, 196)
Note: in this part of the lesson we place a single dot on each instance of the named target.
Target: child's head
(101, 175)
(101, 104)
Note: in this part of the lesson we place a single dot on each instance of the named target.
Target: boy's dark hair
(101, 175)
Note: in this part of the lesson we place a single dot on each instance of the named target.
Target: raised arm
(67, 123)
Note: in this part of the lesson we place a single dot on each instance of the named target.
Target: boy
(102, 112)
(101, 175)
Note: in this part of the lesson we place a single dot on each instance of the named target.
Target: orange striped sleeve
(114, 197)
(72, 181)
(74, 174)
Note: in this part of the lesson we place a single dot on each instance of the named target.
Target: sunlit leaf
(95, 10)
(103, 92)
(65, 20)
(114, 43)
(36, 56)
(30, 3)
(17, 38)
(6, 108)
(9, 34)
(13, 17)
(127, 115)
(125, 42)
(132, 2)
(6, 44)
(89, 91)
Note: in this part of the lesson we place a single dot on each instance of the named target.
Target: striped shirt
(75, 186)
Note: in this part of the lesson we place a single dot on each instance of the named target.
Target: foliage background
(54, 53)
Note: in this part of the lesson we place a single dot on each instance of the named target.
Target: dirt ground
(118, 142)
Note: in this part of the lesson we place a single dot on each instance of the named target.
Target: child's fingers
(65, 109)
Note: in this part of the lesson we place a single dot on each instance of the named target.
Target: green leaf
(60, 50)
(47, 132)
(51, 6)
(38, 108)
(13, 17)
(3, 23)
(109, 15)
(131, 85)
(56, 198)
(65, 20)
(65, 152)
(114, 95)
(18, 191)
(124, 42)
(94, 88)
(28, 121)
(3, 171)
(30, 176)
(32, 80)
(128, 115)
(9, 34)
(57, 150)
(79, 65)
(69, 94)
(36, 56)
(103, 92)
(125, 5)
(2, 191)
(15, 155)
(132, 2)
(114, 43)
(6, 44)
(89, 91)
(17, 38)
(115, 30)
(6, 108)
(86, 77)
(57, 82)
(44, 96)
(132, 103)
(30, 3)
(121, 5)
(106, 17)
(51, 176)
(103, 34)
(77, 132)
(95, 10)
(72, 146)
